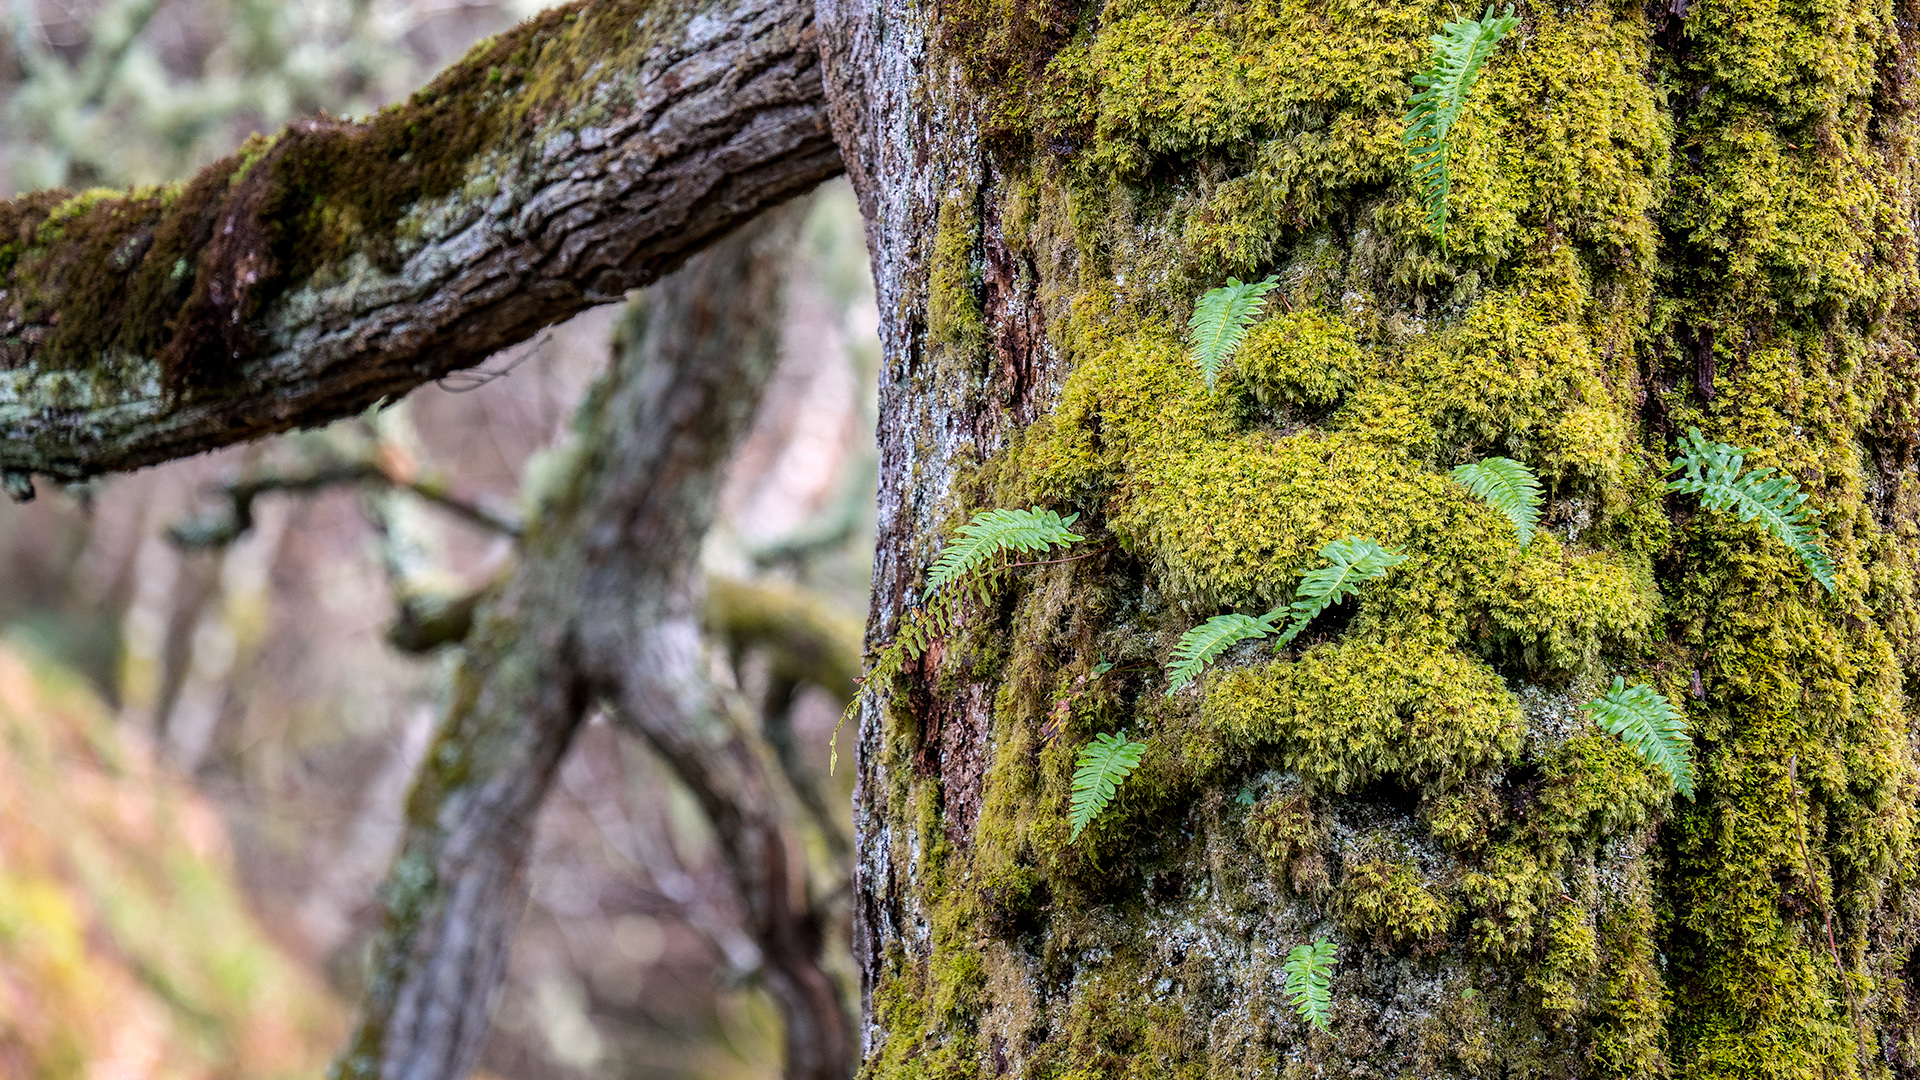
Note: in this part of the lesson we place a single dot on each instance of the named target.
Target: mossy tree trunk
(1662, 217)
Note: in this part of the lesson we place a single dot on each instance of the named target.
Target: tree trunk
(1662, 217)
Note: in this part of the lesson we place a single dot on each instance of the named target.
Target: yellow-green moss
(1654, 224)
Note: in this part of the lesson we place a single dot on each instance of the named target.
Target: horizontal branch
(316, 272)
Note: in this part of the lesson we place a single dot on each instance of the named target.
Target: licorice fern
(1099, 770)
(1351, 562)
(1199, 646)
(995, 532)
(965, 570)
(1644, 719)
(1711, 470)
(1309, 972)
(1460, 50)
(1510, 487)
(1221, 319)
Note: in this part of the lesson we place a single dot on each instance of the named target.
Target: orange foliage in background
(126, 951)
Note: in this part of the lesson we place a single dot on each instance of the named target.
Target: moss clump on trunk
(1654, 224)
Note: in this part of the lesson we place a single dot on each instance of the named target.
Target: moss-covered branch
(319, 270)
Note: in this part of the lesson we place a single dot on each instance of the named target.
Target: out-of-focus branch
(806, 640)
(600, 587)
(223, 527)
(805, 637)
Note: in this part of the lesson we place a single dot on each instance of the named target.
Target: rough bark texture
(600, 609)
(1662, 217)
(557, 166)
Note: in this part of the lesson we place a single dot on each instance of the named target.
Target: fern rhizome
(1221, 319)
(1351, 562)
(1712, 470)
(1460, 50)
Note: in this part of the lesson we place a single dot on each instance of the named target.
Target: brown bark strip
(559, 165)
(599, 606)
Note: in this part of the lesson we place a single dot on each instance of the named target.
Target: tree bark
(557, 166)
(600, 608)
(1662, 217)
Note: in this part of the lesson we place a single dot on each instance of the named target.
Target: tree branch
(599, 608)
(557, 166)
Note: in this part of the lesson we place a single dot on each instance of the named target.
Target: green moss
(1643, 237)
(1387, 901)
(953, 288)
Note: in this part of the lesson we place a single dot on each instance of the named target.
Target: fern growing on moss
(1221, 319)
(965, 569)
(1199, 646)
(1510, 487)
(1099, 770)
(1644, 719)
(1309, 972)
(1351, 562)
(995, 532)
(1460, 50)
(1711, 470)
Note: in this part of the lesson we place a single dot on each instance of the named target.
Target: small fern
(1220, 322)
(1510, 487)
(1309, 972)
(1644, 719)
(993, 532)
(1711, 470)
(1199, 646)
(1352, 562)
(962, 572)
(1460, 50)
(1102, 766)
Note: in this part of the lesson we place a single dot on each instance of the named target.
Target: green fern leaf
(1220, 322)
(1352, 562)
(992, 532)
(1510, 486)
(1460, 50)
(1103, 765)
(1711, 470)
(1644, 719)
(1309, 972)
(1199, 646)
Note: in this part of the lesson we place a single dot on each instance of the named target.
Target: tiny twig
(1826, 912)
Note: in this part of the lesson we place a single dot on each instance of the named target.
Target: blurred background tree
(261, 672)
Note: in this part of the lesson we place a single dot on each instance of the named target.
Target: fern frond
(1510, 487)
(1460, 50)
(1644, 719)
(992, 532)
(1199, 646)
(1352, 561)
(1309, 971)
(1102, 766)
(1711, 470)
(1221, 318)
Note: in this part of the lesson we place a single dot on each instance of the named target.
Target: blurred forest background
(205, 740)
